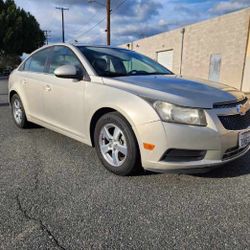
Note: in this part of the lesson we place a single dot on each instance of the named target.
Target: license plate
(244, 139)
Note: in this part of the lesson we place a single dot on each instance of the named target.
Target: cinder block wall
(164, 41)
(225, 35)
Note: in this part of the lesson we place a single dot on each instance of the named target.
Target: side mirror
(69, 71)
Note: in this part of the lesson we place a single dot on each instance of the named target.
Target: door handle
(24, 81)
(47, 88)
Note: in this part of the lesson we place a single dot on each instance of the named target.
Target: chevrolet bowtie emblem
(242, 109)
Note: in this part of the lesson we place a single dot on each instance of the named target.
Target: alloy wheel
(17, 111)
(113, 145)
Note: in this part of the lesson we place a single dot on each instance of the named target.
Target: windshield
(115, 62)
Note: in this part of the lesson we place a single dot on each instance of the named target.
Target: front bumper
(214, 139)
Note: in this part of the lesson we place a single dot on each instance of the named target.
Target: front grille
(229, 105)
(183, 155)
(236, 122)
(232, 152)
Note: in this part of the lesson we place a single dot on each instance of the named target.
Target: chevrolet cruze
(135, 112)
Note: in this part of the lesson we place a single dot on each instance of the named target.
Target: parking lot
(55, 194)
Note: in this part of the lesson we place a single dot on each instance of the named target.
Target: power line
(120, 4)
(95, 25)
(102, 20)
(87, 31)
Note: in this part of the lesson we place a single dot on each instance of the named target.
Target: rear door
(33, 83)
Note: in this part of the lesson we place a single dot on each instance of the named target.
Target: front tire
(116, 144)
(18, 112)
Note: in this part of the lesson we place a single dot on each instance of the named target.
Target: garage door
(165, 58)
(214, 68)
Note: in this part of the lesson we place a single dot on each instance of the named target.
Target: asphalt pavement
(55, 194)
(3, 90)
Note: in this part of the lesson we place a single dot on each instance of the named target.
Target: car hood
(177, 90)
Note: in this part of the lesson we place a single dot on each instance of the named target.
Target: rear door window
(37, 62)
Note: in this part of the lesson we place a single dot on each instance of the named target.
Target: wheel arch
(99, 113)
(12, 92)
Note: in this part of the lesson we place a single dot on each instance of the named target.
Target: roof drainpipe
(182, 48)
(245, 56)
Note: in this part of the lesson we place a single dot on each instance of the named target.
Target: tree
(19, 30)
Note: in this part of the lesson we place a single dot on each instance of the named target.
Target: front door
(64, 98)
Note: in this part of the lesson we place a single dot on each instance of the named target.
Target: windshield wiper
(113, 75)
(138, 74)
(160, 73)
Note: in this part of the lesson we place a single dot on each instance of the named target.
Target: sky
(131, 19)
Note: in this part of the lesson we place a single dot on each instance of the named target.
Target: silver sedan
(135, 112)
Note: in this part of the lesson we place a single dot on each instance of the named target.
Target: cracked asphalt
(55, 194)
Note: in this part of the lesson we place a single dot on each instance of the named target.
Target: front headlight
(172, 113)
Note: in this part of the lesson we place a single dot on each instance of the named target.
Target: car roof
(98, 46)
(77, 45)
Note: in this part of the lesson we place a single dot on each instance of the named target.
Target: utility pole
(46, 33)
(108, 7)
(108, 10)
(62, 11)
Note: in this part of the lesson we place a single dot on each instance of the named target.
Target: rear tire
(18, 112)
(116, 145)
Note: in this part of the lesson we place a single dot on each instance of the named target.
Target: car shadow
(33, 126)
(235, 168)
(146, 172)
